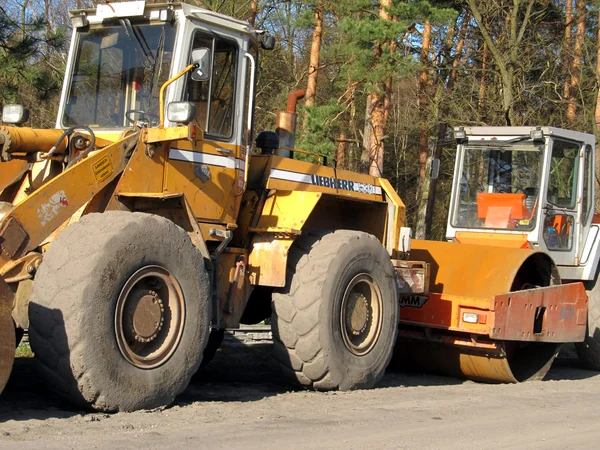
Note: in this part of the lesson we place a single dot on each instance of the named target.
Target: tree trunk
(423, 100)
(443, 126)
(367, 136)
(253, 12)
(481, 100)
(567, 46)
(23, 14)
(313, 65)
(458, 51)
(423, 188)
(379, 105)
(576, 63)
(378, 114)
(597, 121)
(341, 150)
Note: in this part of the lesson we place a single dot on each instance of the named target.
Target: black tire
(588, 351)
(309, 325)
(215, 339)
(74, 312)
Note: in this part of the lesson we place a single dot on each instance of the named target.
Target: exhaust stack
(286, 124)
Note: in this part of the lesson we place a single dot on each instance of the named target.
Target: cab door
(561, 226)
(210, 171)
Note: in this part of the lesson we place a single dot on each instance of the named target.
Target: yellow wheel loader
(152, 218)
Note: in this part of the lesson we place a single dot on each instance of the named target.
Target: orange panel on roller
(512, 240)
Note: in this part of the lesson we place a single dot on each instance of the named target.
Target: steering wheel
(141, 112)
(507, 188)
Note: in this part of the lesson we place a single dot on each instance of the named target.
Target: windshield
(499, 186)
(117, 74)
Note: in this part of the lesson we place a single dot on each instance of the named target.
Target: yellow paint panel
(144, 173)
(288, 209)
(210, 189)
(11, 171)
(283, 214)
(396, 217)
(267, 262)
(306, 171)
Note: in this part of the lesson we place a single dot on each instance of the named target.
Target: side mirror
(201, 57)
(435, 169)
(181, 112)
(267, 42)
(15, 114)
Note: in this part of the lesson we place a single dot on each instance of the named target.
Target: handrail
(249, 122)
(297, 150)
(161, 95)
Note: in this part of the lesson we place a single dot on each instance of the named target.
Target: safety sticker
(50, 209)
(102, 169)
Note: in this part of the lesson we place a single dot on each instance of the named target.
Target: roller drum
(477, 272)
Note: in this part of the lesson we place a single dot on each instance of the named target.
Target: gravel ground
(241, 401)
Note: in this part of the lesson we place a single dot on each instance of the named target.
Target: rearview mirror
(435, 169)
(201, 58)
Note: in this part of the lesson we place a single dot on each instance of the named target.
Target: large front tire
(335, 323)
(120, 312)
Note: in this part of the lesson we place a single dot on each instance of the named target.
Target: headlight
(181, 112)
(15, 114)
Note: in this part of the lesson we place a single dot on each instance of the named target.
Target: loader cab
(122, 54)
(530, 187)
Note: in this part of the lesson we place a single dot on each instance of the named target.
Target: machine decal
(229, 162)
(49, 210)
(102, 169)
(328, 182)
(413, 301)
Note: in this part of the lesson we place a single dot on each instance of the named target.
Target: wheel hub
(149, 317)
(145, 313)
(357, 313)
(361, 314)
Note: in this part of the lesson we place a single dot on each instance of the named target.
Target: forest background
(386, 80)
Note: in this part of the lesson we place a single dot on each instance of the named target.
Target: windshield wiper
(131, 34)
(153, 72)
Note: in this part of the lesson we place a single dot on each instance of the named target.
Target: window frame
(574, 186)
(234, 82)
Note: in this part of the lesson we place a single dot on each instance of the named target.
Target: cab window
(562, 184)
(588, 183)
(214, 99)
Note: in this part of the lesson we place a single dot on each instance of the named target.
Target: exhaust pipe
(286, 124)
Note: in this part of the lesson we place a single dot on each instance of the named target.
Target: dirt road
(240, 401)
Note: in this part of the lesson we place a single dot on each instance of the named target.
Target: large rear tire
(588, 351)
(120, 312)
(335, 323)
